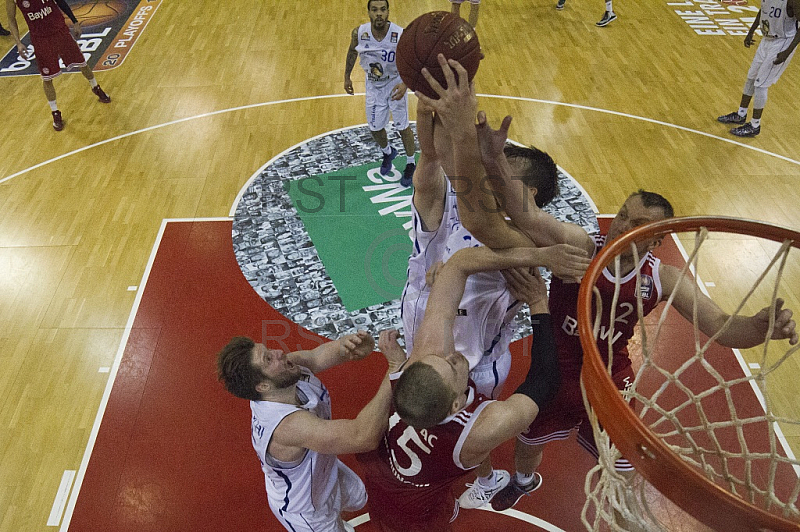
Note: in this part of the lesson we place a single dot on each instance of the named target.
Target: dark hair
(540, 171)
(421, 397)
(370, 1)
(652, 199)
(235, 369)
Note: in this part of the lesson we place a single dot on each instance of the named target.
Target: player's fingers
(446, 70)
(430, 102)
(463, 78)
(481, 118)
(506, 124)
(435, 85)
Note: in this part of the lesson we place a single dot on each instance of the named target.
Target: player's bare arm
(456, 107)
(430, 185)
(435, 333)
(350, 62)
(749, 39)
(743, 332)
(11, 11)
(516, 199)
(350, 347)
(303, 430)
(783, 55)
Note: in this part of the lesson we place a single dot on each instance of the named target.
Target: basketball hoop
(703, 480)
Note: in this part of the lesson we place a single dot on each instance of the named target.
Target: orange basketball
(96, 12)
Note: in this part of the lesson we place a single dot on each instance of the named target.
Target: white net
(718, 416)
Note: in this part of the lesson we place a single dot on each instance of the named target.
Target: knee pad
(760, 99)
(749, 86)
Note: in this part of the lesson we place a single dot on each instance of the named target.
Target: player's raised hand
(357, 346)
(491, 141)
(457, 104)
(565, 261)
(784, 327)
(387, 344)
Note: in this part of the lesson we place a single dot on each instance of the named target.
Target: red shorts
(49, 48)
(566, 413)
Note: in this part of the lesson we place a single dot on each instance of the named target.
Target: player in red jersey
(659, 281)
(440, 427)
(51, 40)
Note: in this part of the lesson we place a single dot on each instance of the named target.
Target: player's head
(250, 370)
(536, 169)
(640, 208)
(431, 389)
(378, 12)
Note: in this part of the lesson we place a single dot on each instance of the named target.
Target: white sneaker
(476, 495)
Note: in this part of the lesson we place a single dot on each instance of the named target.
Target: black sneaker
(386, 165)
(560, 4)
(508, 496)
(732, 118)
(102, 96)
(4, 32)
(746, 130)
(608, 17)
(408, 175)
(58, 122)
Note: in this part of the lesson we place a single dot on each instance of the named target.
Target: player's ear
(263, 387)
(655, 243)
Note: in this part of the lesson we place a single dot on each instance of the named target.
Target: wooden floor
(211, 92)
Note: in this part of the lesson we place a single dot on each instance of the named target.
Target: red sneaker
(102, 96)
(58, 122)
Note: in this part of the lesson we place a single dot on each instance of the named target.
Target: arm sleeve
(544, 376)
(63, 6)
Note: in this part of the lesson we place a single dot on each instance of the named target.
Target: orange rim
(680, 482)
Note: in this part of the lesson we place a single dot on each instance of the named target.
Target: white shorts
(763, 70)
(350, 495)
(380, 103)
(490, 376)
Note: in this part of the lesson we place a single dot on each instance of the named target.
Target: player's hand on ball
(457, 104)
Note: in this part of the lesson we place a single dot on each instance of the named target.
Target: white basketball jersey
(304, 485)
(428, 248)
(378, 57)
(775, 22)
(485, 324)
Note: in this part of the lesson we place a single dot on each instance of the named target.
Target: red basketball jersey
(564, 303)
(409, 475)
(43, 16)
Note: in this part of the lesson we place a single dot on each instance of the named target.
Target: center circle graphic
(317, 284)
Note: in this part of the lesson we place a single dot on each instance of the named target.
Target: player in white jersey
(474, 9)
(375, 42)
(484, 324)
(293, 433)
(778, 20)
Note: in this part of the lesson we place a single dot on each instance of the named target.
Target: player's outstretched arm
(304, 430)
(350, 62)
(429, 181)
(502, 420)
(516, 199)
(350, 347)
(743, 332)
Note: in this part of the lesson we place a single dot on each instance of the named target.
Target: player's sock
(756, 122)
(387, 150)
(523, 479)
(410, 159)
(488, 481)
(608, 6)
(742, 111)
(93, 82)
(53, 105)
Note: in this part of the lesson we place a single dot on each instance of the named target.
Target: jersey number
(775, 12)
(387, 56)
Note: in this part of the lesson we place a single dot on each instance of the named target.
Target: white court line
(61, 498)
(309, 98)
(115, 367)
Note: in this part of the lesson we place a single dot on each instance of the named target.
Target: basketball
(95, 12)
(425, 38)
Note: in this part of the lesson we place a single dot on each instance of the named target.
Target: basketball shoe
(746, 130)
(560, 4)
(508, 496)
(477, 495)
(408, 175)
(102, 96)
(732, 118)
(608, 17)
(58, 122)
(386, 165)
